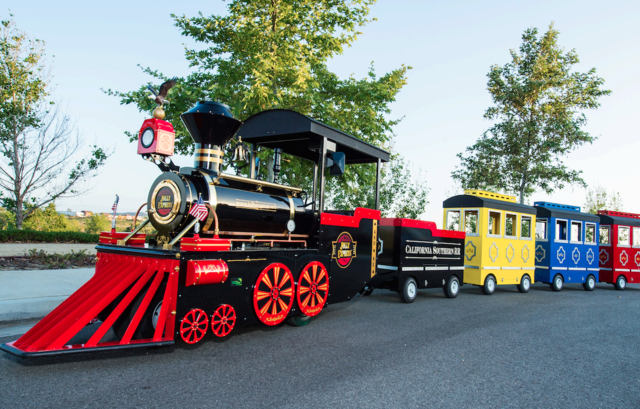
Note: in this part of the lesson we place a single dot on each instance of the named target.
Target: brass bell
(240, 152)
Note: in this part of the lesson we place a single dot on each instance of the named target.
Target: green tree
(539, 105)
(47, 219)
(97, 223)
(598, 198)
(37, 141)
(272, 54)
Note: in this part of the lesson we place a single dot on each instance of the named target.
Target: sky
(449, 45)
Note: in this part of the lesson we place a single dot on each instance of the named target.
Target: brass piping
(292, 209)
(124, 241)
(179, 236)
(258, 182)
(135, 218)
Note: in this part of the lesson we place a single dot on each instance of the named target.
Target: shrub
(9, 236)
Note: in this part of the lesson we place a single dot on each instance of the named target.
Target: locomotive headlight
(147, 137)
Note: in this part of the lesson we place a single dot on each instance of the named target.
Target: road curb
(30, 308)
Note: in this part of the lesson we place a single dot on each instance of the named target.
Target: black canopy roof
(545, 212)
(299, 135)
(625, 221)
(477, 201)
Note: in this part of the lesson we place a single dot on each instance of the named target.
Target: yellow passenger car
(500, 245)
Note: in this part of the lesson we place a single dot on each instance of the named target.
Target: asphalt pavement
(573, 349)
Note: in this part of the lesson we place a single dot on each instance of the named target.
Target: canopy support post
(323, 162)
(378, 166)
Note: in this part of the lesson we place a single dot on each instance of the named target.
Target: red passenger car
(619, 248)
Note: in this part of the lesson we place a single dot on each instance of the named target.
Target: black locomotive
(265, 253)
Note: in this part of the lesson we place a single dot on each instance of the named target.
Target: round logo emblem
(164, 201)
(344, 250)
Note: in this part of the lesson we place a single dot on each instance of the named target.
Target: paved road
(542, 349)
(21, 249)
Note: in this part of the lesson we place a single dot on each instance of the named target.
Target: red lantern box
(156, 136)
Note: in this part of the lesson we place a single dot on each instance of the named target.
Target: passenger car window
(525, 227)
(576, 231)
(494, 223)
(623, 236)
(590, 233)
(636, 236)
(561, 230)
(471, 221)
(541, 229)
(604, 235)
(510, 223)
(453, 219)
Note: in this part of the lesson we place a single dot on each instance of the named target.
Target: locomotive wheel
(194, 326)
(590, 284)
(409, 290)
(556, 284)
(452, 288)
(273, 294)
(313, 289)
(525, 284)
(298, 321)
(223, 320)
(621, 283)
(147, 326)
(489, 285)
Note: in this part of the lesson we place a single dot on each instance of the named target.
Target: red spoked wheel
(193, 326)
(273, 294)
(223, 320)
(313, 288)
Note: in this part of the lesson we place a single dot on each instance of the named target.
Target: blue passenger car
(566, 246)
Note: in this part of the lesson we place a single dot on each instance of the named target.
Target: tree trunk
(19, 213)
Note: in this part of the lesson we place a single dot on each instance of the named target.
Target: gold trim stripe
(207, 159)
(211, 151)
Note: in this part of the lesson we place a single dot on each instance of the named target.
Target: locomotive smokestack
(211, 126)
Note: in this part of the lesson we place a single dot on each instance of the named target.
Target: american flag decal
(199, 210)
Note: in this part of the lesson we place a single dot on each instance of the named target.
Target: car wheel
(298, 321)
(556, 284)
(409, 290)
(621, 283)
(590, 284)
(489, 285)
(525, 284)
(452, 288)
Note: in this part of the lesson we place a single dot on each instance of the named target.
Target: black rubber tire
(452, 288)
(145, 328)
(590, 279)
(621, 283)
(525, 284)
(557, 283)
(298, 321)
(487, 288)
(408, 291)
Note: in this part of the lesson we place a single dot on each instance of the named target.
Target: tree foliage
(598, 198)
(273, 54)
(37, 141)
(539, 104)
(97, 223)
